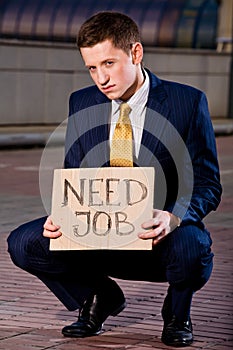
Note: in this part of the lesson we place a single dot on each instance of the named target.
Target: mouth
(107, 88)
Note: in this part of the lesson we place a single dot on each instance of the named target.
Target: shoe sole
(78, 335)
(178, 344)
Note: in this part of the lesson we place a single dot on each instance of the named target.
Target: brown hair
(108, 25)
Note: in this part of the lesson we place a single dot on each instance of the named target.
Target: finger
(48, 220)
(151, 223)
(51, 230)
(146, 235)
(158, 239)
(150, 233)
(148, 224)
(50, 234)
(163, 234)
(51, 227)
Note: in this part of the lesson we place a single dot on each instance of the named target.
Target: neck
(140, 78)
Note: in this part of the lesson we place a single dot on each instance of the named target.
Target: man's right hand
(51, 230)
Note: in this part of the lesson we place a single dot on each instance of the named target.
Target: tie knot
(125, 109)
(124, 113)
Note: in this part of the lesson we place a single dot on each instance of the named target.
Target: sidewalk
(31, 318)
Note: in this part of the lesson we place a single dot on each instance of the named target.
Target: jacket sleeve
(73, 150)
(206, 186)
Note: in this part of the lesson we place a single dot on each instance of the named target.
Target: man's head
(117, 27)
(110, 46)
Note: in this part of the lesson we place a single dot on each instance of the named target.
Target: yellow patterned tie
(121, 153)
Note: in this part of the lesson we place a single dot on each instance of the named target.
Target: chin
(112, 96)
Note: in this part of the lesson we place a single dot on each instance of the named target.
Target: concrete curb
(38, 137)
(223, 129)
(31, 137)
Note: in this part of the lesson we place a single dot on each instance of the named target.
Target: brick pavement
(31, 317)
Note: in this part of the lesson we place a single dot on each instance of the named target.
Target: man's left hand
(160, 226)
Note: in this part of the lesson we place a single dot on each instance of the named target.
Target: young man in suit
(172, 132)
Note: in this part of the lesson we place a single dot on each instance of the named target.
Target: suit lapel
(155, 121)
(103, 115)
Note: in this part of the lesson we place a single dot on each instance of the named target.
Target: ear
(137, 53)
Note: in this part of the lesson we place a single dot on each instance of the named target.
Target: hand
(51, 230)
(160, 226)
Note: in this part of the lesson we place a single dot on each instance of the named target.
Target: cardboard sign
(102, 208)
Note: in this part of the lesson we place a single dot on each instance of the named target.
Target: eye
(108, 63)
(91, 68)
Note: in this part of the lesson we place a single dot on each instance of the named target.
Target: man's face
(115, 73)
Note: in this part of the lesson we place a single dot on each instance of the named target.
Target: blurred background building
(189, 41)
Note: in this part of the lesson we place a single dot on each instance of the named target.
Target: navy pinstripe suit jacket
(178, 141)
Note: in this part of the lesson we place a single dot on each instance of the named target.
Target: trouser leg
(29, 250)
(183, 259)
(190, 266)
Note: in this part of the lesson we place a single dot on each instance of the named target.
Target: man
(172, 132)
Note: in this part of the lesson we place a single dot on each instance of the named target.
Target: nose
(102, 77)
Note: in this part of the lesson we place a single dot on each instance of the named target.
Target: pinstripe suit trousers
(184, 259)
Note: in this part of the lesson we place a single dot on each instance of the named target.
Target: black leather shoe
(94, 312)
(177, 334)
